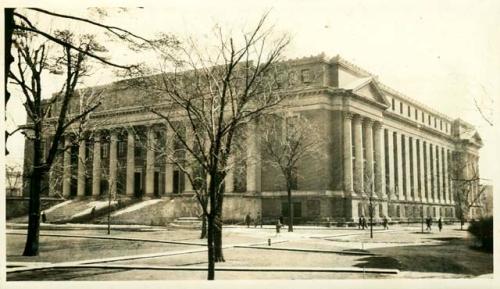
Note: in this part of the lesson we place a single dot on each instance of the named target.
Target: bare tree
(467, 189)
(32, 61)
(288, 139)
(214, 93)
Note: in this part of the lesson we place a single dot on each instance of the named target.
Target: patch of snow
(97, 204)
(136, 207)
(57, 206)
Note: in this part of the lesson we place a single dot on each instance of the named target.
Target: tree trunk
(290, 210)
(203, 226)
(9, 29)
(219, 254)
(31, 246)
(211, 252)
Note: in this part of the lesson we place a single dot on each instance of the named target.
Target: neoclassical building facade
(383, 148)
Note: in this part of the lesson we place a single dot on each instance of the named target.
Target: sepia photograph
(260, 143)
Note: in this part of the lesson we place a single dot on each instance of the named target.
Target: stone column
(169, 168)
(188, 186)
(414, 156)
(439, 175)
(390, 149)
(378, 139)
(368, 141)
(67, 167)
(150, 162)
(113, 162)
(449, 172)
(96, 165)
(358, 155)
(444, 171)
(399, 185)
(422, 173)
(253, 159)
(430, 198)
(407, 168)
(229, 179)
(130, 162)
(81, 169)
(348, 185)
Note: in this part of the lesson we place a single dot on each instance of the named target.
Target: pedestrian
(278, 226)
(440, 224)
(92, 212)
(364, 223)
(360, 222)
(386, 223)
(44, 217)
(428, 224)
(248, 220)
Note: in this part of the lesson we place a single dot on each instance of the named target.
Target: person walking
(385, 222)
(428, 223)
(44, 217)
(278, 226)
(248, 220)
(364, 223)
(360, 222)
(440, 224)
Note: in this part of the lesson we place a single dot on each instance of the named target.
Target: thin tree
(467, 188)
(288, 139)
(214, 93)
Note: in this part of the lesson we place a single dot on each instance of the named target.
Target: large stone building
(382, 146)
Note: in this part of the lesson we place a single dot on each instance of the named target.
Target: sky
(441, 53)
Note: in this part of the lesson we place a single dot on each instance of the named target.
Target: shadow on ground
(453, 255)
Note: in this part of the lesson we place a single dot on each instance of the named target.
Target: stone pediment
(367, 88)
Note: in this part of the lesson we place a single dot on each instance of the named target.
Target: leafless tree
(209, 95)
(467, 188)
(287, 139)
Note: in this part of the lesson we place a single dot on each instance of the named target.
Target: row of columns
(253, 165)
(429, 164)
(362, 177)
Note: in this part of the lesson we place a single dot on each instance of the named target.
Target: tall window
(438, 174)
(419, 175)
(431, 156)
(386, 158)
(401, 107)
(393, 104)
(409, 111)
(416, 114)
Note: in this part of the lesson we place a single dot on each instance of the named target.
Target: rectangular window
(386, 160)
(409, 111)
(416, 114)
(105, 150)
(429, 119)
(305, 75)
(401, 107)
(435, 122)
(423, 118)
(440, 124)
(393, 104)
(121, 148)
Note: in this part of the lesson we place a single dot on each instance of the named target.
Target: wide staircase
(187, 223)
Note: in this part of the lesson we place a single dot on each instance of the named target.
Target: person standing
(428, 223)
(440, 224)
(248, 219)
(278, 226)
(360, 222)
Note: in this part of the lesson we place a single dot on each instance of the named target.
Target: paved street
(155, 253)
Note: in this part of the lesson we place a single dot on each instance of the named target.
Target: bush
(483, 231)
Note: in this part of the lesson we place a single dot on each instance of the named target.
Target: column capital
(368, 122)
(377, 125)
(348, 115)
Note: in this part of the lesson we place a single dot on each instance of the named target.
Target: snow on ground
(136, 207)
(58, 206)
(95, 204)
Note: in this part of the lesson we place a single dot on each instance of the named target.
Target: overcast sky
(440, 53)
